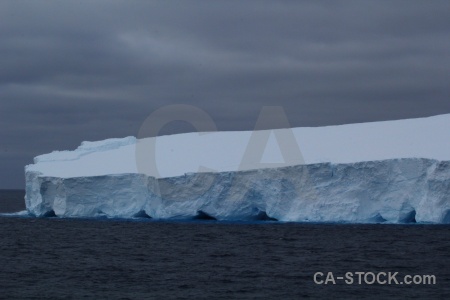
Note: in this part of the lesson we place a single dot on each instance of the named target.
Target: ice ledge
(86, 148)
(394, 190)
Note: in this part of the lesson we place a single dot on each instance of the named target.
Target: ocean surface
(143, 259)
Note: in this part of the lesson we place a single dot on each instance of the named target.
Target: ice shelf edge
(395, 190)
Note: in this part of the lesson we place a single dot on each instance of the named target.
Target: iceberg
(390, 171)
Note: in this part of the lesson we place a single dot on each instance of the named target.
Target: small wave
(22, 213)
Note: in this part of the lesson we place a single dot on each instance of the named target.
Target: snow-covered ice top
(179, 154)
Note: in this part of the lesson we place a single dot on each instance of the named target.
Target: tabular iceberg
(392, 171)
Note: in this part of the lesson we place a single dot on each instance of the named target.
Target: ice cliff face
(398, 191)
(101, 178)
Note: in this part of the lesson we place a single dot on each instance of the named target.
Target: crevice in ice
(409, 217)
(262, 216)
(446, 219)
(49, 214)
(377, 219)
(201, 215)
(141, 214)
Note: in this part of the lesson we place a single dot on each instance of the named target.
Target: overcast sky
(89, 70)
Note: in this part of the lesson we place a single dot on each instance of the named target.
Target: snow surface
(395, 171)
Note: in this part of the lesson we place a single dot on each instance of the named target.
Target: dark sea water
(115, 259)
